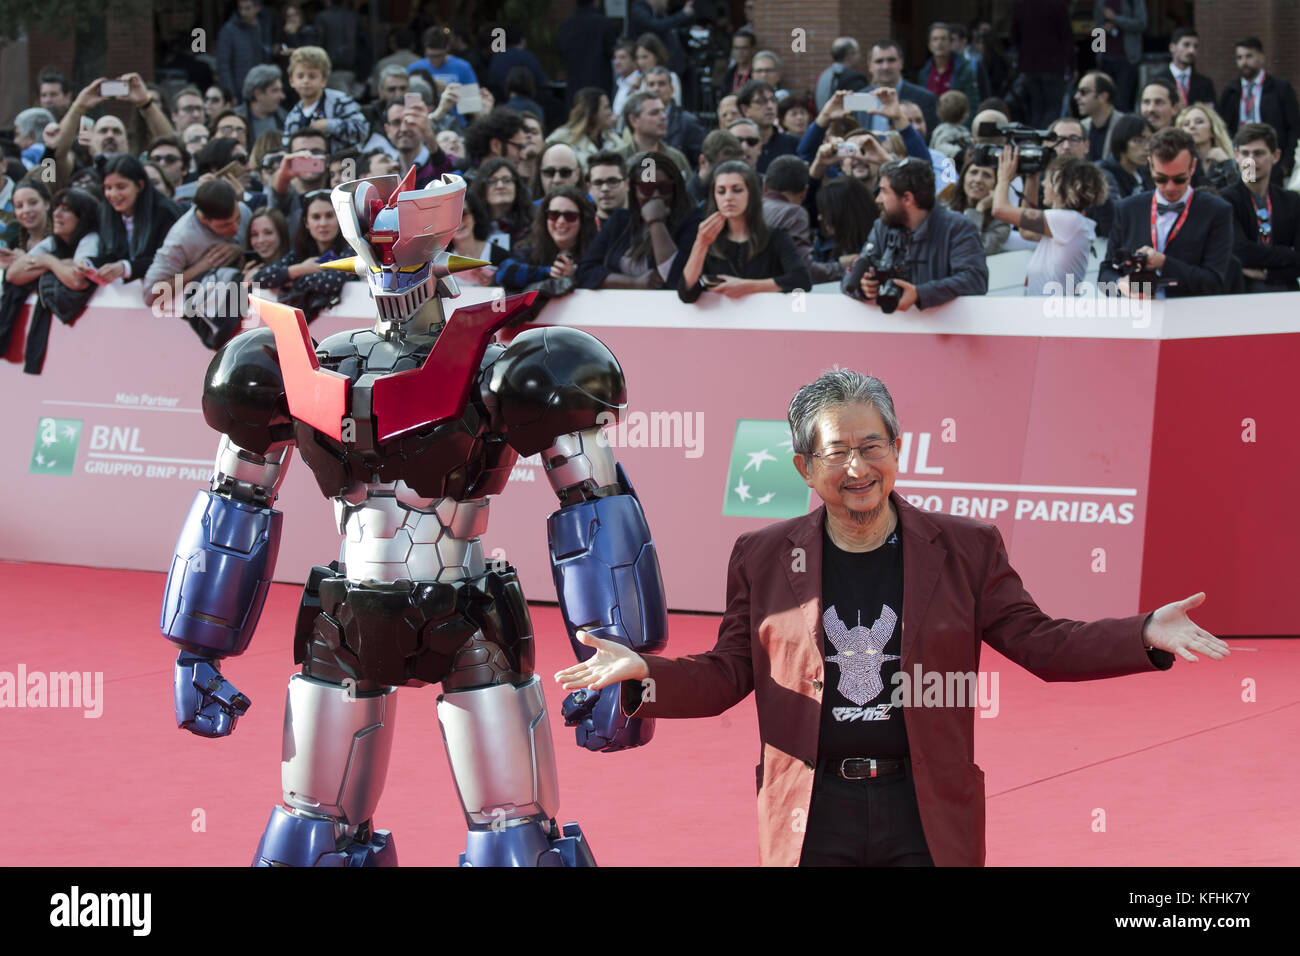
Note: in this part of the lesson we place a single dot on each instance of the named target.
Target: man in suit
(887, 70)
(1122, 23)
(685, 131)
(844, 56)
(1261, 97)
(1192, 87)
(1186, 233)
(1095, 97)
(586, 44)
(1265, 216)
(855, 770)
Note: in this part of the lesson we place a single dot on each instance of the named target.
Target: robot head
(400, 236)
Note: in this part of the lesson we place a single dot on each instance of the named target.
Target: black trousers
(872, 822)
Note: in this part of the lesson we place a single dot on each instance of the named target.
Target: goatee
(864, 519)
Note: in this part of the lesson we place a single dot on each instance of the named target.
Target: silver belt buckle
(871, 766)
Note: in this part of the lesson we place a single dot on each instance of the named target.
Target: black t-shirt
(862, 601)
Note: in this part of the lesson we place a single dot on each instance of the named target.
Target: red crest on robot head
(407, 184)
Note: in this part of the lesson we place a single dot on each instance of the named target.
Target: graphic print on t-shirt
(859, 652)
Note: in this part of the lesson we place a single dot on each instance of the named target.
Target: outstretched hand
(612, 662)
(1170, 629)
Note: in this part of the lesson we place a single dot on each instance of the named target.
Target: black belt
(864, 768)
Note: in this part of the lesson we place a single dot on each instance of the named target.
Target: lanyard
(1265, 237)
(1177, 225)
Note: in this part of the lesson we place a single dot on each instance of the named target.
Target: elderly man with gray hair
(263, 93)
(845, 54)
(853, 772)
(29, 131)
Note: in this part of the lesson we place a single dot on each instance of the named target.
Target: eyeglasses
(1160, 179)
(749, 140)
(516, 145)
(501, 181)
(871, 451)
(229, 129)
(166, 159)
(568, 215)
(610, 183)
(1073, 140)
(197, 138)
(564, 172)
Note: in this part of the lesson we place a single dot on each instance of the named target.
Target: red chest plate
(402, 401)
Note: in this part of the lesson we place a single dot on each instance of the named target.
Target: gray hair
(632, 105)
(259, 78)
(842, 48)
(659, 71)
(419, 84)
(393, 69)
(769, 55)
(832, 389)
(32, 122)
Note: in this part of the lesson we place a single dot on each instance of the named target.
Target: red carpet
(1170, 769)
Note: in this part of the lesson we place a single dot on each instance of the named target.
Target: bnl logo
(55, 452)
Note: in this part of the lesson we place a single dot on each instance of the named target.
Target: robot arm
(225, 555)
(564, 382)
(606, 575)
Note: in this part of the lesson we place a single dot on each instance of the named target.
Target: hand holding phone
(114, 88)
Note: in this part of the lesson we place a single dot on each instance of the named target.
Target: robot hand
(600, 723)
(207, 704)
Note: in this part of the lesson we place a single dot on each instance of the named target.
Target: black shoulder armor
(552, 381)
(243, 393)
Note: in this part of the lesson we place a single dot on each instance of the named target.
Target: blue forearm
(607, 573)
(220, 574)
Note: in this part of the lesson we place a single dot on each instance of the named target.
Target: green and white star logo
(56, 446)
(761, 480)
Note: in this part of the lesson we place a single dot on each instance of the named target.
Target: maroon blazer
(959, 589)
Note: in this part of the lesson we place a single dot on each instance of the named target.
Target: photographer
(945, 258)
(1071, 186)
(1184, 234)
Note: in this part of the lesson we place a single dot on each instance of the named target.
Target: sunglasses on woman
(568, 215)
(651, 189)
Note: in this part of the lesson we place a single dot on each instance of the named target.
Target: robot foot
(532, 842)
(292, 840)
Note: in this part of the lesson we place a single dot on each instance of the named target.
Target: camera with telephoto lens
(886, 265)
(1034, 156)
(1135, 266)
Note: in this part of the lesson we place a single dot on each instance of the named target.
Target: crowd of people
(223, 183)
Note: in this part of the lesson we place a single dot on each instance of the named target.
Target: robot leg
(337, 741)
(503, 759)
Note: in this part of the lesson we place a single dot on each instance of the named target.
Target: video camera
(886, 265)
(1134, 265)
(1034, 156)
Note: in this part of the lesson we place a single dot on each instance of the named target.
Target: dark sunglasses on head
(568, 215)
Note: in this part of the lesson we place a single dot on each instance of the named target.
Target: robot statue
(410, 426)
